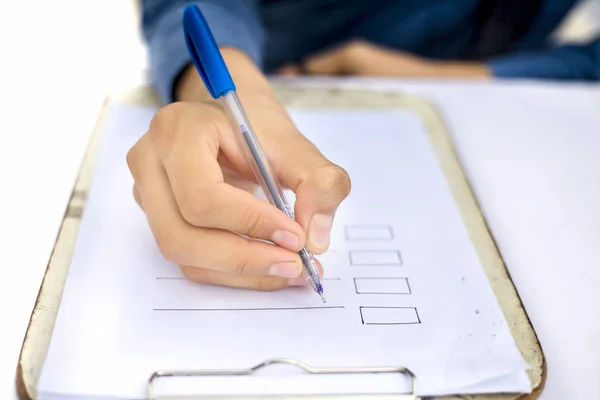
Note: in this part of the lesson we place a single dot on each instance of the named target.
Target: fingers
(318, 195)
(184, 244)
(203, 197)
(204, 276)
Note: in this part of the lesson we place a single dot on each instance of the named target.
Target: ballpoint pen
(210, 65)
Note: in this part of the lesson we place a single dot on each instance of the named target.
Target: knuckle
(137, 197)
(132, 159)
(195, 206)
(167, 116)
(162, 126)
(239, 258)
(185, 121)
(255, 223)
(167, 245)
(336, 179)
(240, 265)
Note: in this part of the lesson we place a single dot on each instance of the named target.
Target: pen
(210, 65)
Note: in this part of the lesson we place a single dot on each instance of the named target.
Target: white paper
(126, 313)
(530, 151)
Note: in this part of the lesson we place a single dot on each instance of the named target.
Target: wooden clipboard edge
(37, 338)
(516, 316)
(500, 280)
(43, 317)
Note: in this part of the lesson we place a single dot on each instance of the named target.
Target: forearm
(568, 62)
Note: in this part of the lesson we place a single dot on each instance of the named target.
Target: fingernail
(286, 239)
(288, 269)
(300, 281)
(319, 230)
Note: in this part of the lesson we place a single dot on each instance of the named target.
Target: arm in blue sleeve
(234, 23)
(569, 62)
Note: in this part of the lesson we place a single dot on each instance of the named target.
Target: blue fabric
(278, 32)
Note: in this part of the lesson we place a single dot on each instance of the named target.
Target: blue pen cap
(205, 53)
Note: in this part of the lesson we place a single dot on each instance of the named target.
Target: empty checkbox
(369, 232)
(375, 257)
(381, 286)
(389, 315)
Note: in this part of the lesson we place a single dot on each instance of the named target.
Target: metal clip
(287, 361)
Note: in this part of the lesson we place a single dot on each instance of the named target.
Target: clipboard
(39, 332)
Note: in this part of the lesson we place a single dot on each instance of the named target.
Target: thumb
(319, 185)
(317, 198)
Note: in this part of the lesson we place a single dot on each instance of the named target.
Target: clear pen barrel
(249, 144)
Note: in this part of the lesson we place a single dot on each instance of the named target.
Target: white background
(534, 170)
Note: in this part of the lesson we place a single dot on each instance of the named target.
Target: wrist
(246, 75)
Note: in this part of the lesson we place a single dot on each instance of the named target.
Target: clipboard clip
(285, 361)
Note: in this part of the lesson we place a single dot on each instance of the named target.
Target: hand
(192, 182)
(366, 59)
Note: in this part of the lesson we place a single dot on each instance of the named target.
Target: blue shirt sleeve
(234, 23)
(568, 62)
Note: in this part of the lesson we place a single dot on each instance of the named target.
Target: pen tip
(323, 297)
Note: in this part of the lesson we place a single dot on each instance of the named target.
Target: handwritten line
(170, 277)
(249, 309)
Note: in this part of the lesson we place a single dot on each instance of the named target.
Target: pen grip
(250, 145)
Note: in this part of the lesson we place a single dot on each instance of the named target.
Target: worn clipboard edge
(39, 332)
(43, 316)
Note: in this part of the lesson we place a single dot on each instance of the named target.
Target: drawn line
(392, 323)
(170, 277)
(398, 293)
(362, 318)
(249, 309)
(417, 312)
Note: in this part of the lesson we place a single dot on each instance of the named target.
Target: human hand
(192, 182)
(366, 59)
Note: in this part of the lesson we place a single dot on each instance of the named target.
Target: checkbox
(381, 286)
(375, 257)
(369, 232)
(389, 315)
